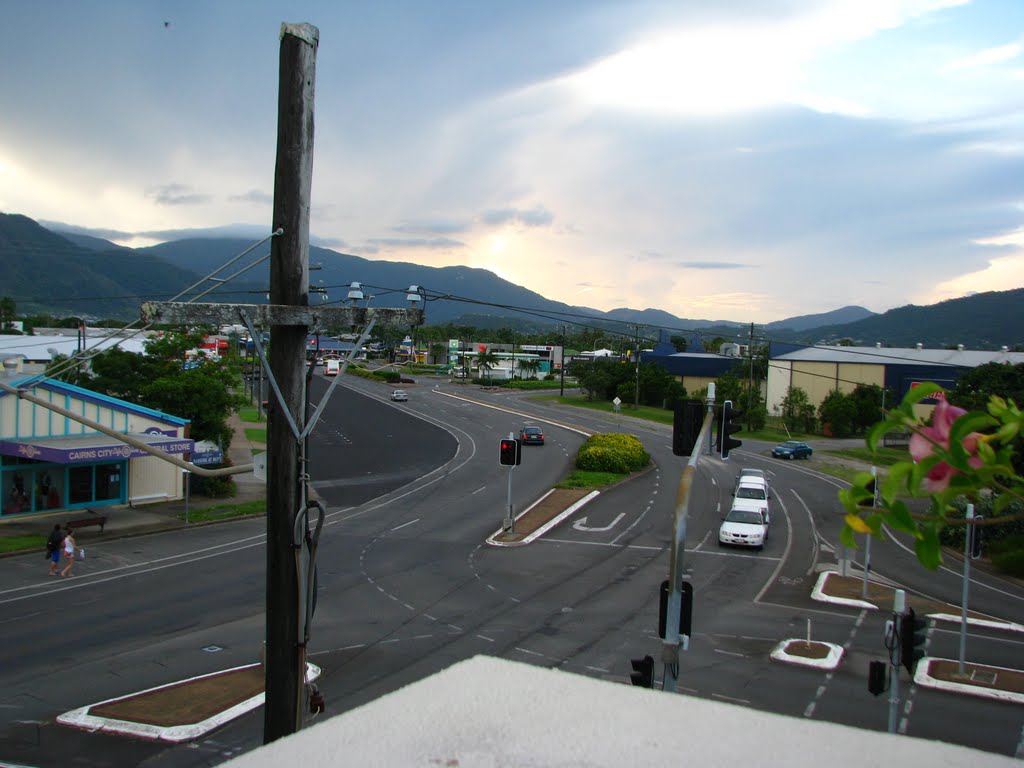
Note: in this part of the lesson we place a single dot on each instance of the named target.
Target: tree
(8, 313)
(868, 402)
(530, 365)
(837, 413)
(204, 391)
(679, 342)
(486, 361)
(797, 411)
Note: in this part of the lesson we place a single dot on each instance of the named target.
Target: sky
(744, 160)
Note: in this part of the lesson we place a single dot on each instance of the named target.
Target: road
(407, 586)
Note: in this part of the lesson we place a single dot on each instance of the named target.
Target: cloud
(535, 217)
(989, 56)
(176, 194)
(433, 243)
(711, 265)
(253, 196)
(435, 227)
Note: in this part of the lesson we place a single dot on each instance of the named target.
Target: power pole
(636, 387)
(289, 317)
(285, 658)
(750, 386)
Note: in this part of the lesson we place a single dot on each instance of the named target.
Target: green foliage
(837, 413)
(1010, 562)
(679, 342)
(617, 453)
(797, 411)
(206, 393)
(582, 479)
(214, 487)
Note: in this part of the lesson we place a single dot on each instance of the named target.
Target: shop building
(49, 461)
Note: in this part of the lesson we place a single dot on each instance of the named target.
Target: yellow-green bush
(612, 453)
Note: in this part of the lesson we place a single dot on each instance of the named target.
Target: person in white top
(69, 552)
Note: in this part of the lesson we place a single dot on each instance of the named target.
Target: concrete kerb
(541, 530)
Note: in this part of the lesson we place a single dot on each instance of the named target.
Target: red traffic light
(509, 453)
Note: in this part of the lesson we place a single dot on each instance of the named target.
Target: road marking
(729, 698)
(400, 527)
(785, 552)
(814, 538)
(580, 525)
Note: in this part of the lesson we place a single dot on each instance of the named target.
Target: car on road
(531, 436)
(744, 528)
(400, 396)
(754, 476)
(753, 496)
(792, 449)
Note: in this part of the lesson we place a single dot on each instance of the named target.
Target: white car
(399, 396)
(753, 475)
(744, 528)
(753, 496)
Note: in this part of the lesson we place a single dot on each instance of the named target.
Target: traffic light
(643, 672)
(686, 426)
(876, 677)
(726, 427)
(975, 533)
(685, 609)
(913, 636)
(509, 453)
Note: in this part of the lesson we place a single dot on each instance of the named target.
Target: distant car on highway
(531, 436)
(792, 449)
(399, 396)
(744, 528)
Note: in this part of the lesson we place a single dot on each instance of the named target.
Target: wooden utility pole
(289, 285)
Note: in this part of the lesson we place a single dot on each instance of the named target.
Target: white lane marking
(815, 552)
(785, 552)
(581, 524)
(400, 527)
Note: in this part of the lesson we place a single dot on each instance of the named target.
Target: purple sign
(69, 453)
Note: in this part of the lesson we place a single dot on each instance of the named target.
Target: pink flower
(924, 440)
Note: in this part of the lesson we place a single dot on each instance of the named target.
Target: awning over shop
(91, 447)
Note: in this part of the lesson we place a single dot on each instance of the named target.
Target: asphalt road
(407, 586)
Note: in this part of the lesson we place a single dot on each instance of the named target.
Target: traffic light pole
(672, 639)
(509, 523)
(898, 608)
(969, 533)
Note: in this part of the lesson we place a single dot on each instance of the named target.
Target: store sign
(54, 452)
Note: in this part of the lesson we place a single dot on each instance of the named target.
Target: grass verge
(883, 457)
(584, 479)
(256, 435)
(249, 414)
(18, 543)
(225, 511)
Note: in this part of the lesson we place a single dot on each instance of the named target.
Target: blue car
(792, 449)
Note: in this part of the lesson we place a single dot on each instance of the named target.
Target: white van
(332, 367)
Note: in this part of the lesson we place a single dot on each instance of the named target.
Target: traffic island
(179, 711)
(551, 509)
(808, 653)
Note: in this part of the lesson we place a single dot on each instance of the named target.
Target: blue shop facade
(49, 461)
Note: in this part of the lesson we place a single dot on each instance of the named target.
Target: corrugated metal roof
(962, 358)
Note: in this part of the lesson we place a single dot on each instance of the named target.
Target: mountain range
(60, 272)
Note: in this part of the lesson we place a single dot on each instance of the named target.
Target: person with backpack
(54, 545)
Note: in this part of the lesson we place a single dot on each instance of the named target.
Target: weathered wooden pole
(289, 285)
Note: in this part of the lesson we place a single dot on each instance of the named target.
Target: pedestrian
(54, 545)
(69, 551)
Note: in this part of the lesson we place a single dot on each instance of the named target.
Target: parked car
(400, 396)
(531, 436)
(792, 449)
(744, 528)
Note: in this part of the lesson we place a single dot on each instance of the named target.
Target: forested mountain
(46, 272)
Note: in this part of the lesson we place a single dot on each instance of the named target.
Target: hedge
(612, 453)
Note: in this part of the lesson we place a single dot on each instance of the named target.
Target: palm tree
(531, 365)
(485, 362)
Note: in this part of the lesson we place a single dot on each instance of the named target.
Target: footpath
(188, 709)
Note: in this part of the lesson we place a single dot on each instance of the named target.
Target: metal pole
(969, 533)
(510, 522)
(899, 603)
(636, 390)
(561, 386)
(188, 487)
(672, 640)
(867, 543)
